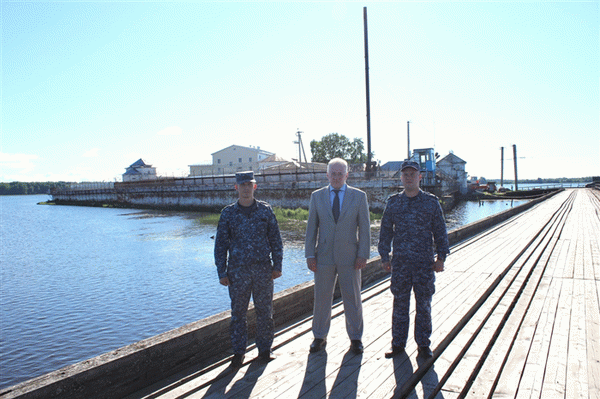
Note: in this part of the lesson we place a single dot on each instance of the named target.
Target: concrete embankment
(198, 345)
(213, 193)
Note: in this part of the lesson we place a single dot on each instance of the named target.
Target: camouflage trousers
(255, 281)
(408, 277)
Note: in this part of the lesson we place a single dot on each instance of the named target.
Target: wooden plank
(516, 337)
(513, 372)
(591, 252)
(580, 220)
(328, 362)
(542, 325)
(467, 347)
(525, 317)
(577, 370)
(485, 380)
(532, 380)
(448, 309)
(382, 378)
(592, 334)
(556, 365)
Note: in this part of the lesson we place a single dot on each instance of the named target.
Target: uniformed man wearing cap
(249, 255)
(412, 222)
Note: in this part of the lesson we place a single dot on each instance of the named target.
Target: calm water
(77, 282)
(471, 211)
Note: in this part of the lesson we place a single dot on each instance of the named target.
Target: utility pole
(369, 154)
(501, 166)
(515, 161)
(300, 147)
(408, 138)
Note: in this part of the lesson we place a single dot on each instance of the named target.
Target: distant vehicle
(488, 187)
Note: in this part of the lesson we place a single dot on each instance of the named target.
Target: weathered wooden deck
(516, 314)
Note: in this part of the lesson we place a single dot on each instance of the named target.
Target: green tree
(336, 145)
(23, 188)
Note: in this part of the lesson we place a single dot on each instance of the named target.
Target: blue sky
(90, 87)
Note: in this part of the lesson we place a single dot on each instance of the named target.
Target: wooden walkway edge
(516, 315)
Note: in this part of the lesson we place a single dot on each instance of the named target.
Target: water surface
(77, 282)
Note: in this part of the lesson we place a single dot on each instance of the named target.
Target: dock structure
(516, 314)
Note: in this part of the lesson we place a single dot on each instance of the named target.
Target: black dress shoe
(356, 346)
(396, 350)
(237, 361)
(266, 356)
(317, 345)
(425, 352)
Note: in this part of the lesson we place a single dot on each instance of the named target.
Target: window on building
(250, 159)
(218, 160)
(239, 160)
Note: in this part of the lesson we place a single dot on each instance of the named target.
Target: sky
(90, 87)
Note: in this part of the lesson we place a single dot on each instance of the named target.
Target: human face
(410, 180)
(246, 190)
(337, 175)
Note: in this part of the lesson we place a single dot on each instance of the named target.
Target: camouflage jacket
(247, 238)
(414, 225)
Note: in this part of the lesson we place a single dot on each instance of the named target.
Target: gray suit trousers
(350, 283)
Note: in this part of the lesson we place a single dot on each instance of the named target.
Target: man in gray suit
(338, 241)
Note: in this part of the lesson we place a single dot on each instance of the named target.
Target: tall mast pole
(408, 138)
(501, 166)
(515, 161)
(369, 155)
(300, 147)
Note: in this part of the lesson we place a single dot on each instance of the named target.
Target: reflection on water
(471, 211)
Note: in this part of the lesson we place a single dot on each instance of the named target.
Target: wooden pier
(516, 315)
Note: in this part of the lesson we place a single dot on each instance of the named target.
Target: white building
(139, 170)
(235, 158)
(451, 170)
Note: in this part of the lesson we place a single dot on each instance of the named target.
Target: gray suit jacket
(342, 242)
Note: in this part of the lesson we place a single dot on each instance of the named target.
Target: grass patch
(209, 218)
(292, 222)
(283, 214)
(375, 216)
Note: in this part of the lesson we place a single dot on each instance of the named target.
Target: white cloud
(170, 131)
(14, 165)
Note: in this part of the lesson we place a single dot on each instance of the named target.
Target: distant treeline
(551, 181)
(23, 188)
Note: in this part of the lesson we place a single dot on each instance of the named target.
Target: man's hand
(276, 274)
(438, 266)
(387, 266)
(224, 281)
(360, 263)
(312, 264)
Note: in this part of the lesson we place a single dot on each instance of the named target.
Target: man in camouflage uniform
(413, 220)
(249, 255)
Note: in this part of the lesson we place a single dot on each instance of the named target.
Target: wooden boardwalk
(516, 314)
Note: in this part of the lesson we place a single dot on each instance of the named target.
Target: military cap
(243, 177)
(410, 164)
